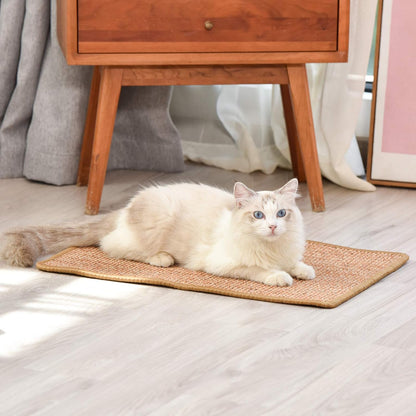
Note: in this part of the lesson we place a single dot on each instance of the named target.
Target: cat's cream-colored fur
(196, 226)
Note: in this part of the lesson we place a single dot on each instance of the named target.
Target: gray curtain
(43, 104)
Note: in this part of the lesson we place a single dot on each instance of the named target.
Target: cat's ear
(289, 189)
(242, 194)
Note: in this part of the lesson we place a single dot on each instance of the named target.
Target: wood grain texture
(244, 32)
(88, 138)
(207, 58)
(292, 134)
(89, 47)
(343, 26)
(141, 26)
(299, 93)
(78, 346)
(108, 96)
(204, 75)
(65, 28)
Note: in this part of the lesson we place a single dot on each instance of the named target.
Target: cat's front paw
(278, 278)
(303, 271)
(161, 259)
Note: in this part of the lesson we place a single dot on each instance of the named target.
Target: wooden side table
(201, 42)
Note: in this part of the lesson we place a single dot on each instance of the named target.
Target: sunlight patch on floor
(58, 309)
(15, 276)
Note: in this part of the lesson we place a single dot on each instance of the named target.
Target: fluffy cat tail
(21, 247)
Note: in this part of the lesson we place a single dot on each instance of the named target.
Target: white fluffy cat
(247, 234)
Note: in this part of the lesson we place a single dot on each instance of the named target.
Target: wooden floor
(77, 346)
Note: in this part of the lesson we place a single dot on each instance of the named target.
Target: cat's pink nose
(272, 227)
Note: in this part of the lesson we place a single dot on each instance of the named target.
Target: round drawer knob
(208, 25)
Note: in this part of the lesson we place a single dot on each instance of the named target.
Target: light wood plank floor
(76, 346)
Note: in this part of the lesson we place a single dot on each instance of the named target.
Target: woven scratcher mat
(341, 273)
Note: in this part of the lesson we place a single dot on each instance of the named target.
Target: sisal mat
(341, 273)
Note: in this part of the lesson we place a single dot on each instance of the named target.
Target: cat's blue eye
(281, 213)
(258, 214)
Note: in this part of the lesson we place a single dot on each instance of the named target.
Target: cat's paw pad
(161, 259)
(278, 278)
(303, 271)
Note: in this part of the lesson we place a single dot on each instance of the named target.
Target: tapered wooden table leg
(108, 96)
(292, 134)
(85, 158)
(299, 89)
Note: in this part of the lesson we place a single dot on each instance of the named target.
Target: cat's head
(267, 214)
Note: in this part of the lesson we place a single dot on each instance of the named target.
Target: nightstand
(201, 42)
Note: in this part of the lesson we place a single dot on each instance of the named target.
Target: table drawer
(166, 26)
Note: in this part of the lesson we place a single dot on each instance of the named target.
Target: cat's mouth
(272, 235)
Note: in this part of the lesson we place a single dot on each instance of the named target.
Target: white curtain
(241, 127)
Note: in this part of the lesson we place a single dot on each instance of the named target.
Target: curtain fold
(241, 127)
(43, 103)
(24, 28)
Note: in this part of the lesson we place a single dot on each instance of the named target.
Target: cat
(252, 235)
